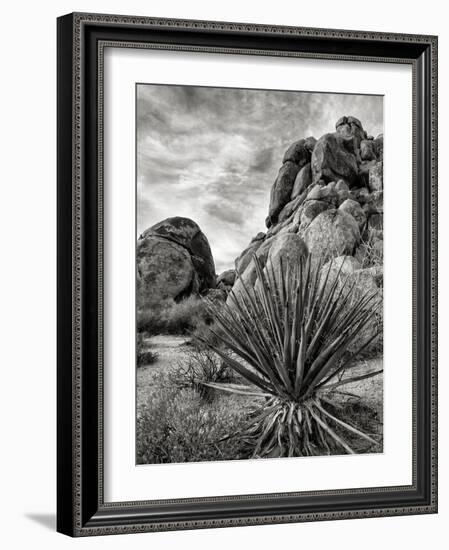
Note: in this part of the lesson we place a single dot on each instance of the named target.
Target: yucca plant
(290, 338)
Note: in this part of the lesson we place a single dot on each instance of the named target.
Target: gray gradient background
(212, 154)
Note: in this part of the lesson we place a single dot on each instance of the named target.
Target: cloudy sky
(212, 154)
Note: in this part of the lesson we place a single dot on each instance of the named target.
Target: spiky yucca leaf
(289, 337)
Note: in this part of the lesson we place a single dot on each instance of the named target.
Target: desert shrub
(289, 338)
(201, 366)
(184, 317)
(172, 317)
(177, 426)
(149, 321)
(147, 357)
(371, 253)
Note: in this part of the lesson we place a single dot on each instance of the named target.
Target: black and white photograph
(259, 274)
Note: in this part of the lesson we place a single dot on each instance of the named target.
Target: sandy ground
(370, 389)
(170, 351)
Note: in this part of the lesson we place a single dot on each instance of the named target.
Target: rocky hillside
(327, 200)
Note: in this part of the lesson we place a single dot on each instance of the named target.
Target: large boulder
(364, 281)
(286, 248)
(164, 270)
(281, 190)
(290, 227)
(281, 248)
(349, 126)
(303, 181)
(349, 269)
(340, 267)
(310, 211)
(242, 261)
(247, 277)
(368, 150)
(291, 207)
(353, 208)
(299, 152)
(287, 226)
(342, 191)
(227, 277)
(259, 237)
(331, 234)
(174, 260)
(327, 193)
(359, 283)
(334, 158)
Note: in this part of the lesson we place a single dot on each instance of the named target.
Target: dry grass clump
(172, 317)
(201, 367)
(371, 251)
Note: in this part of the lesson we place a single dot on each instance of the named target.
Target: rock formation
(174, 260)
(327, 200)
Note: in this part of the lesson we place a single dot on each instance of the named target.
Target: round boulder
(244, 259)
(340, 267)
(227, 277)
(334, 158)
(286, 248)
(310, 211)
(259, 237)
(314, 193)
(174, 260)
(303, 181)
(367, 150)
(351, 126)
(281, 190)
(299, 152)
(355, 210)
(187, 233)
(345, 265)
(342, 191)
(164, 270)
(331, 234)
(364, 281)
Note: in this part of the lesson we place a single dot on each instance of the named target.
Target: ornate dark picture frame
(81, 510)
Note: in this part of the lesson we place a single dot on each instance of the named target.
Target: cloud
(212, 154)
(262, 160)
(224, 214)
